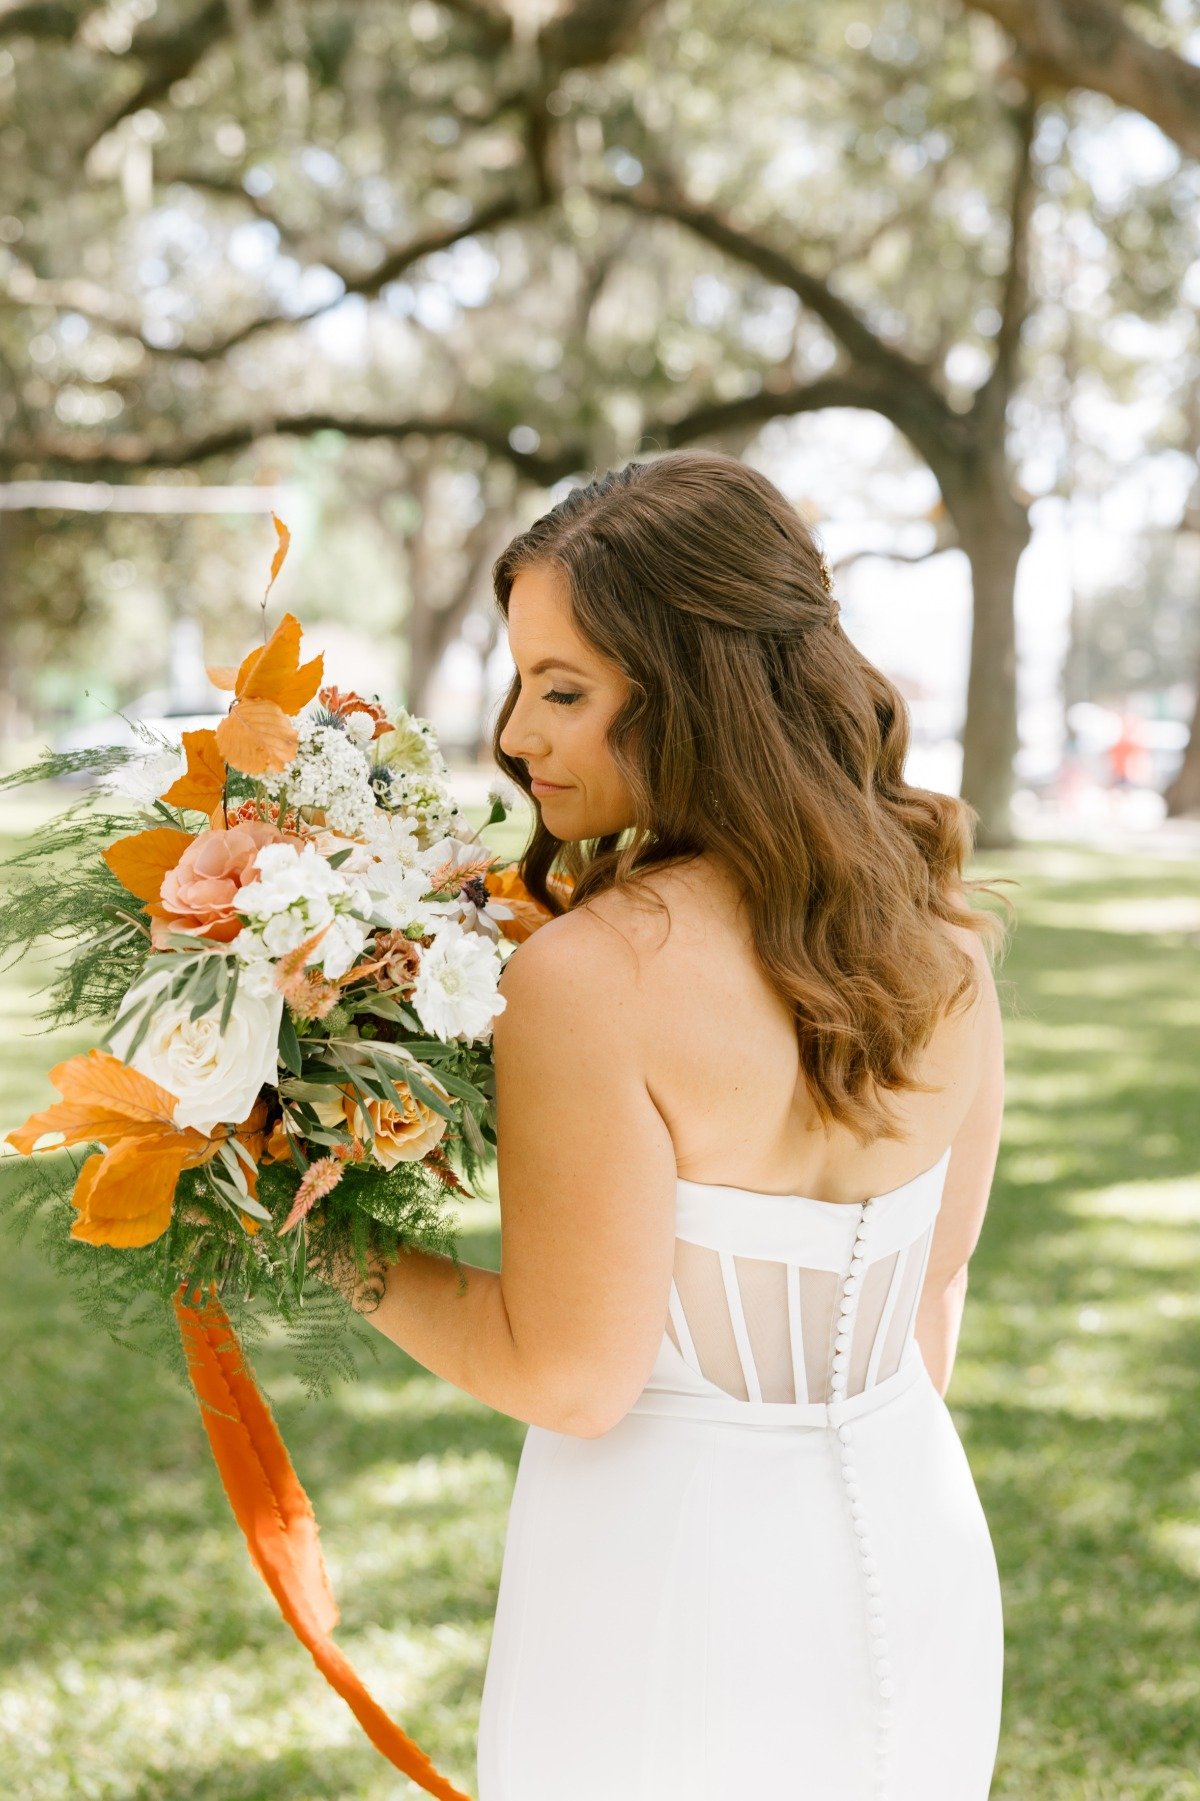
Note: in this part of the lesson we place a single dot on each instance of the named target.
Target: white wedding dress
(773, 1577)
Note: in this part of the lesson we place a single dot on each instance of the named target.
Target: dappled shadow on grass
(1078, 1382)
(1103, 1661)
(111, 1507)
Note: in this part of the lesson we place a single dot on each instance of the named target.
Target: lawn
(143, 1659)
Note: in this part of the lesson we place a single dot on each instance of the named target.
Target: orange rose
(198, 895)
(401, 1136)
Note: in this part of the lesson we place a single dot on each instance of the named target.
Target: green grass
(143, 1659)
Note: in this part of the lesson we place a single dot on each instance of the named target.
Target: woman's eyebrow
(556, 663)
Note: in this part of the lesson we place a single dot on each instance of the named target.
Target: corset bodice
(786, 1309)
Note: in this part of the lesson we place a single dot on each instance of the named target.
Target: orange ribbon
(276, 1516)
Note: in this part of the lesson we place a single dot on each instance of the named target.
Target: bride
(749, 1097)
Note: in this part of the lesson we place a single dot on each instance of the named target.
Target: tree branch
(492, 24)
(1014, 302)
(856, 337)
(24, 288)
(591, 32)
(715, 418)
(47, 20)
(114, 457)
(168, 56)
(1088, 44)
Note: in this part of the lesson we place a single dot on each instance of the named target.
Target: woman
(749, 1092)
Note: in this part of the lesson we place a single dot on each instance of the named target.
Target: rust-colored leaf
(103, 1100)
(257, 738)
(141, 861)
(124, 1194)
(221, 675)
(203, 783)
(527, 914)
(274, 671)
(285, 537)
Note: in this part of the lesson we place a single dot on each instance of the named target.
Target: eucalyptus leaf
(233, 973)
(289, 1045)
(472, 1134)
(428, 1096)
(254, 1208)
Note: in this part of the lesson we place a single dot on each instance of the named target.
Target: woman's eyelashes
(562, 697)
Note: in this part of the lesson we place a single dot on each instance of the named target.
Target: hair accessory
(826, 573)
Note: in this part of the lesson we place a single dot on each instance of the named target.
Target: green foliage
(56, 887)
(259, 1277)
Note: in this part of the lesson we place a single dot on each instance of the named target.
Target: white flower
(387, 838)
(392, 837)
(215, 1076)
(141, 779)
(359, 727)
(456, 993)
(288, 875)
(397, 896)
(258, 967)
(329, 771)
(300, 892)
(283, 932)
(341, 945)
(504, 793)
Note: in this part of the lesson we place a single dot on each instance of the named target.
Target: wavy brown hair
(756, 732)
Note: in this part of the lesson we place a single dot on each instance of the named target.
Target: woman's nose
(519, 740)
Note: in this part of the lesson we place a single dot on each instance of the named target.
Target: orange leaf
(527, 914)
(103, 1100)
(203, 783)
(221, 675)
(257, 737)
(275, 672)
(124, 1194)
(141, 861)
(285, 537)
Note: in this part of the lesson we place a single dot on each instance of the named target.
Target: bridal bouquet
(297, 953)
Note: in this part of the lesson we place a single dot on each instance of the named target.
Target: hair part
(756, 732)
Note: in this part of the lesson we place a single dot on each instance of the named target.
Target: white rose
(215, 1076)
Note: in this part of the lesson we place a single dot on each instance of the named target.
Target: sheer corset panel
(772, 1294)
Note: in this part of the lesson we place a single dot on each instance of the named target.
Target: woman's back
(715, 1031)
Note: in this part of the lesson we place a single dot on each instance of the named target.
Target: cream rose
(215, 1076)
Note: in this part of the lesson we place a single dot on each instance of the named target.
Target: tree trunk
(1183, 791)
(993, 530)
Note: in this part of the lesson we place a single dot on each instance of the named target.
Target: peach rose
(198, 895)
(400, 1136)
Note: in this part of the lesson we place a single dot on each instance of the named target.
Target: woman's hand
(338, 1270)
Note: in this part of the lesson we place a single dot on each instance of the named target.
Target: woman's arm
(968, 1185)
(566, 1333)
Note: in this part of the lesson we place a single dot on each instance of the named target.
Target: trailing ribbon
(277, 1519)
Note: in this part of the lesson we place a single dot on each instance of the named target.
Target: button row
(838, 1380)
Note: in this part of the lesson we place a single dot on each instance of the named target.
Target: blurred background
(405, 273)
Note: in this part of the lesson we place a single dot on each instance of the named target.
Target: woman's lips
(540, 787)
